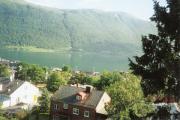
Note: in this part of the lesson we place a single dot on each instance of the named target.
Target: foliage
(36, 73)
(107, 78)
(44, 101)
(66, 75)
(22, 115)
(158, 97)
(127, 100)
(3, 118)
(159, 66)
(78, 78)
(66, 69)
(23, 24)
(83, 78)
(31, 72)
(22, 71)
(55, 80)
(4, 70)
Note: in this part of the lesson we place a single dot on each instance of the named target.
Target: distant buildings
(79, 103)
(9, 63)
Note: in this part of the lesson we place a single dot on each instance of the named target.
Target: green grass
(29, 49)
(44, 116)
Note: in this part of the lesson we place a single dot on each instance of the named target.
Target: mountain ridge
(25, 24)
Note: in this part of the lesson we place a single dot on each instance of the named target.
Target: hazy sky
(140, 8)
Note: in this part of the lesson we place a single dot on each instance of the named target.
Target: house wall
(101, 105)
(4, 100)
(26, 93)
(5, 104)
(69, 113)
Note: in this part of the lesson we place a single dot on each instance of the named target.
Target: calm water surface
(77, 60)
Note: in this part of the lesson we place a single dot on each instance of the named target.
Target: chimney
(88, 89)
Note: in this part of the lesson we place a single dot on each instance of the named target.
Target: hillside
(25, 24)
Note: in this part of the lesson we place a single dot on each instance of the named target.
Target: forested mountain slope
(26, 24)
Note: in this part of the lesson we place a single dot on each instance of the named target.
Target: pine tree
(159, 66)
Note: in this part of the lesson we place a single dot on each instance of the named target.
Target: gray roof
(67, 94)
(11, 87)
(4, 80)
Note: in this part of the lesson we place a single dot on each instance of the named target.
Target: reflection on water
(77, 60)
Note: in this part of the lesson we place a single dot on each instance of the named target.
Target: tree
(36, 73)
(54, 81)
(22, 71)
(66, 75)
(83, 78)
(159, 66)
(4, 71)
(127, 100)
(44, 101)
(107, 78)
(31, 72)
(66, 69)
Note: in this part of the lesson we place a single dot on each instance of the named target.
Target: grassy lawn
(44, 116)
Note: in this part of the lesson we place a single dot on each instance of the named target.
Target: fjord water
(77, 60)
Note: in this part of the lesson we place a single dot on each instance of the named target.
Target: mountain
(25, 24)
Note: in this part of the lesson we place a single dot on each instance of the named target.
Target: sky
(142, 9)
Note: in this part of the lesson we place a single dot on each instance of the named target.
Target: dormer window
(78, 97)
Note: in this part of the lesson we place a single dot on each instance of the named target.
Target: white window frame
(65, 106)
(78, 97)
(86, 113)
(75, 111)
(55, 107)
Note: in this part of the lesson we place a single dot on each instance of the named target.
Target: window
(55, 117)
(78, 97)
(65, 106)
(75, 111)
(86, 113)
(55, 106)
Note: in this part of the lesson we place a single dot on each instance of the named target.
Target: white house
(16, 92)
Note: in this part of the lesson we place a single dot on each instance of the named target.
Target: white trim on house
(86, 113)
(100, 108)
(55, 107)
(75, 111)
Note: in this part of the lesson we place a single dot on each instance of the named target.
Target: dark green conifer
(159, 65)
